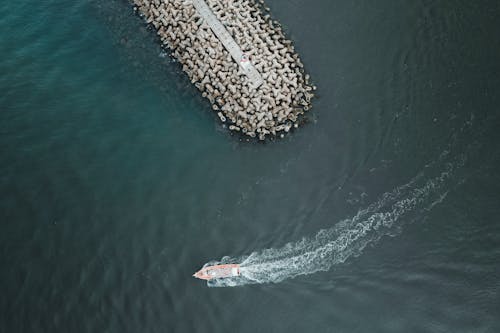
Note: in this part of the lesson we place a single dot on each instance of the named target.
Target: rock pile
(272, 108)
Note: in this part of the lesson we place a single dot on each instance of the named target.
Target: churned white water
(346, 238)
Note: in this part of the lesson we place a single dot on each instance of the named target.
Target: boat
(218, 272)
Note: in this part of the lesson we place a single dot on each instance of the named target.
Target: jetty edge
(239, 59)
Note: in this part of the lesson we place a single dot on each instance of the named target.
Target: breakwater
(239, 59)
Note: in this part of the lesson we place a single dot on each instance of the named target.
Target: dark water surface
(117, 183)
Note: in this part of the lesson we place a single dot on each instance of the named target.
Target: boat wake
(347, 238)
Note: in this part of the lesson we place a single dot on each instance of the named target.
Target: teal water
(379, 215)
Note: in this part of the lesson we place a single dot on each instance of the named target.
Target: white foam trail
(347, 238)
